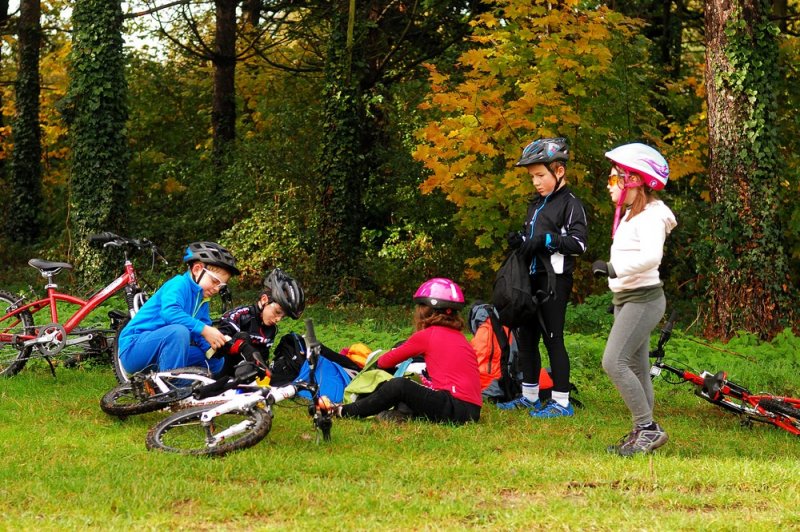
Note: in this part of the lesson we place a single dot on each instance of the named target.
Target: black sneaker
(643, 441)
(399, 414)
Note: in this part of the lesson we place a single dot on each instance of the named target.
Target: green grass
(67, 465)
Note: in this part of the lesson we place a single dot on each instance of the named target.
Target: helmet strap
(199, 277)
(552, 173)
(618, 211)
(627, 184)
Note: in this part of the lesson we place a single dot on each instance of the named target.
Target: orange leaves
(536, 69)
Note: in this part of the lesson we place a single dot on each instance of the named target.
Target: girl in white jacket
(641, 225)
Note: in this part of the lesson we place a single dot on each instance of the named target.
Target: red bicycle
(783, 412)
(31, 330)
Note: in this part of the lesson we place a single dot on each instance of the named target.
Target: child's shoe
(643, 441)
(552, 409)
(520, 402)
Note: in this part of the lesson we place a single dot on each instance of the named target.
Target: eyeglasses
(216, 280)
(614, 180)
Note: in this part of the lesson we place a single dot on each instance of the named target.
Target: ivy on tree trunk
(25, 182)
(96, 110)
(749, 281)
(342, 169)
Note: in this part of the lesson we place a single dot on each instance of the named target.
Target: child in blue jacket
(173, 328)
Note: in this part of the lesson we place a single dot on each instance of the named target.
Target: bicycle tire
(183, 433)
(782, 408)
(121, 401)
(12, 358)
(119, 372)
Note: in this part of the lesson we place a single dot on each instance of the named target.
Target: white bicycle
(241, 421)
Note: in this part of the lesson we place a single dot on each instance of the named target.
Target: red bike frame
(85, 307)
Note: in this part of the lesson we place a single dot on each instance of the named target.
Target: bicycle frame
(85, 307)
(245, 401)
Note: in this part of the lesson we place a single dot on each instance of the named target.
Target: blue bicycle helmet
(544, 151)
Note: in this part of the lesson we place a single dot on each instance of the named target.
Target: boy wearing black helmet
(254, 327)
(555, 230)
(173, 329)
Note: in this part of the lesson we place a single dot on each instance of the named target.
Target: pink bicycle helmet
(440, 293)
(642, 160)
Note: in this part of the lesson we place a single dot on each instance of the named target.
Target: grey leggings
(626, 358)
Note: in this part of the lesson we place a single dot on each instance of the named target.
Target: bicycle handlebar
(310, 336)
(109, 239)
(666, 334)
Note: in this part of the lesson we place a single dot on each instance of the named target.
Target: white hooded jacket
(639, 246)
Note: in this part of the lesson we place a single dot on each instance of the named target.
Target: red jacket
(451, 362)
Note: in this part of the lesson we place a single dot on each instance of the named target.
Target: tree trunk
(749, 284)
(342, 171)
(97, 114)
(25, 194)
(223, 113)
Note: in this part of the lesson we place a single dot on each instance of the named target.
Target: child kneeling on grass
(173, 328)
(454, 392)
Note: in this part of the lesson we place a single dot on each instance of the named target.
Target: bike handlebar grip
(215, 388)
(102, 238)
(671, 322)
(311, 337)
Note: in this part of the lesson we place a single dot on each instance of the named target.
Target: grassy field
(69, 466)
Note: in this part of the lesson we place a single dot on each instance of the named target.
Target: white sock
(561, 398)
(530, 392)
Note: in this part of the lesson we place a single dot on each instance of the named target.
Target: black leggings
(554, 313)
(435, 405)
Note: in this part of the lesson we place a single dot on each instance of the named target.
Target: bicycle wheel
(12, 357)
(782, 408)
(122, 400)
(183, 432)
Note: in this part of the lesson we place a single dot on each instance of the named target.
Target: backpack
(496, 349)
(290, 355)
(512, 297)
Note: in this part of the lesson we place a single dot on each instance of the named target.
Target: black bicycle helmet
(544, 151)
(286, 292)
(211, 253)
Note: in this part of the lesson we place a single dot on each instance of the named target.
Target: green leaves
(536, 69)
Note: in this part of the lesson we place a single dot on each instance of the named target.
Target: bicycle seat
(48, 267)
(712, 384)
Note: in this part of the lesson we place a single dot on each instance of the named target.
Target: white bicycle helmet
(642, 160)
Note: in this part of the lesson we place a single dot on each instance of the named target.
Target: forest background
(367, 145)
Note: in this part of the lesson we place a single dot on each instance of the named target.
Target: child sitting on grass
(454, 392)
(254, 327)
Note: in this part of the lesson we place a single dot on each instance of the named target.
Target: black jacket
(248, 320)
(562, 215)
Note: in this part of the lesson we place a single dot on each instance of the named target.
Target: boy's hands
(212, 335)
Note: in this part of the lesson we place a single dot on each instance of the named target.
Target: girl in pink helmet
(454, 390)
(641, 225)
